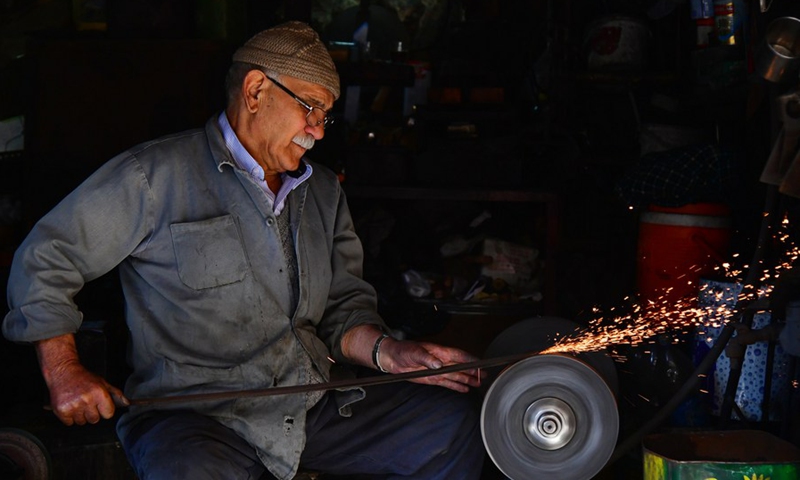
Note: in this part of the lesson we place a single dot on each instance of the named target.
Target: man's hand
(77, 395)
(398, 356)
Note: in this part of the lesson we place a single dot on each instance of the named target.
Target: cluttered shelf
(546, 202)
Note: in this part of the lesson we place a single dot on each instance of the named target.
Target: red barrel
(677, 246)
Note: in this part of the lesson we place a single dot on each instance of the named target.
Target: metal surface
(22, 452)
(549, 416)
(549, 423)
(778, 57)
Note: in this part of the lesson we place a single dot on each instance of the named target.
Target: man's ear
(252, 88)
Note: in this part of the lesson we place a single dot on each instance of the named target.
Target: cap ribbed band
(294, 49)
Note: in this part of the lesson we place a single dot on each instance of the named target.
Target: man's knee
(188, 445)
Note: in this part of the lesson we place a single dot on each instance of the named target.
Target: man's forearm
(55, 354)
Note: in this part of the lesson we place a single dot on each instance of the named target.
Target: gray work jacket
(202, 269)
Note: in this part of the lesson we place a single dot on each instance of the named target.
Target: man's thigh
(399, 430)
(172, 445)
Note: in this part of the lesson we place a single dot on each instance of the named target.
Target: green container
(729, 455)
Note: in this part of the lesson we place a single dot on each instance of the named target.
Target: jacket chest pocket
(209, 253)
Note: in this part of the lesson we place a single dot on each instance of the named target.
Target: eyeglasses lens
(317, 117)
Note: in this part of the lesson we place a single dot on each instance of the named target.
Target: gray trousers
(399, 431)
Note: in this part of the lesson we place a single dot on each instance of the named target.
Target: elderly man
(241, 270)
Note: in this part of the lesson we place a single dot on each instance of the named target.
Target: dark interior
(464, 120)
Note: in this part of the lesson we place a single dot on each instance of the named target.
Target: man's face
(278, 133)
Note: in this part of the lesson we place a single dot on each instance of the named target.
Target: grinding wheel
(23, 453)
(549, 416)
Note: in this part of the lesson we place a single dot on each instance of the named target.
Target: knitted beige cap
(294, 49)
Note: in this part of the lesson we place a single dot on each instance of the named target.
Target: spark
(663, 315)
(645, 321)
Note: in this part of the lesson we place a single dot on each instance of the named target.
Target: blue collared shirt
(246, 162)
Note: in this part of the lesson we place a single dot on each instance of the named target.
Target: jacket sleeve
(85, 236)
(351, 300)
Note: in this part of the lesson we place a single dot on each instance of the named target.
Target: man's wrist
(376, 352)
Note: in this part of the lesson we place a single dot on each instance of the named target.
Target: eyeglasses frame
(326, 120)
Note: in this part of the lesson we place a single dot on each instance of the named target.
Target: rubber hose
(690, 386)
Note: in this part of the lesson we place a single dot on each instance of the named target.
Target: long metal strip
(334, 385)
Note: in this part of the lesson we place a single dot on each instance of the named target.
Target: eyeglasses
(315, 116)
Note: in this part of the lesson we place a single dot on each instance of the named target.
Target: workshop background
(512, 166)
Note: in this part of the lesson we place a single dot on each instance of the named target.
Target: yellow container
(730, 455)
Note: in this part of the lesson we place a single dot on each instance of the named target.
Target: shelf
(422, 193)
(453, 307)
(620, 78)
